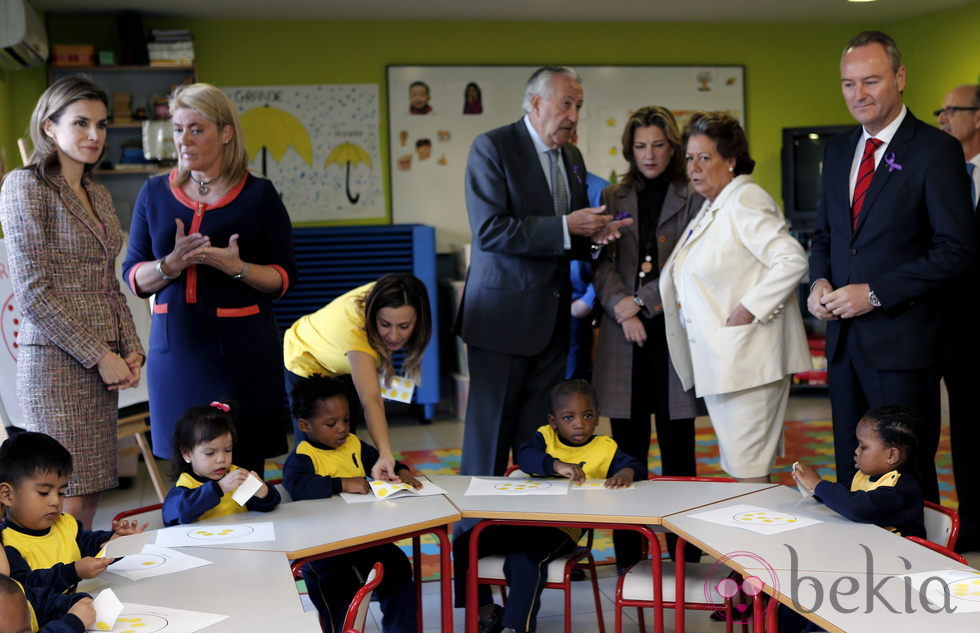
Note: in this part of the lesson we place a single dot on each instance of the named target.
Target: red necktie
(865, 172)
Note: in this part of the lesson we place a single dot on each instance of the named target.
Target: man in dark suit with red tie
(893, 227)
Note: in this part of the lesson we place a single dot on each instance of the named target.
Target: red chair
(357, 611)
(936, 547)
(490, 571)
(942, 525)
(147, 514)
(635, 585)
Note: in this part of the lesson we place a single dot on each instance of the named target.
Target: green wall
(791, 69)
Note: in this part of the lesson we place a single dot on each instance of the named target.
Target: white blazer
(737, 249)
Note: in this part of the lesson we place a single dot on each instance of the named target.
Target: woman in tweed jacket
(77, 344)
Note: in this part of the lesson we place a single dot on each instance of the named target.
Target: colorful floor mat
(810, 442)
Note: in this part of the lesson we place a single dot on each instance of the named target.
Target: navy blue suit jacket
(518, 275)
(913, 235)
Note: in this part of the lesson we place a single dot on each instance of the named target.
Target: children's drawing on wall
(472, 99)
(423, 147)
(319, 145)
(419, 95)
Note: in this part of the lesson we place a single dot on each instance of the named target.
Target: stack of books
(171, 47)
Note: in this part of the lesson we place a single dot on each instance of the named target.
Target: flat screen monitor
(802, 162)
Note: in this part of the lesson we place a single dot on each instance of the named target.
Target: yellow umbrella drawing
(351, 155)
(275, 130)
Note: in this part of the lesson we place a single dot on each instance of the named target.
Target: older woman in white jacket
(733, 322)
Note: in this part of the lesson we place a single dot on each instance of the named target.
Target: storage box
(73, 55)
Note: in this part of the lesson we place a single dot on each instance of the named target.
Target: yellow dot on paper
(382, 493)
(611, 122)
(148, 563)
(103, 626)
(612, 151)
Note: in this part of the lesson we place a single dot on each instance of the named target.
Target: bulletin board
(428, 148)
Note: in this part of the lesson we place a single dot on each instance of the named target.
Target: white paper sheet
(755, 518)
(517, 486)
(144, 618)
(401, 389)
(204, 535)
(394, 491)
(960, 588)
(247, 489)
(155, 561)
(125, 545)
(597, 484)
(107, 610)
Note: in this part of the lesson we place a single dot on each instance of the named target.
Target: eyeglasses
(951, 110)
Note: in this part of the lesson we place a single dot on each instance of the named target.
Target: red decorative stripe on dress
(285, 278)
(132, 277)
(238, 312)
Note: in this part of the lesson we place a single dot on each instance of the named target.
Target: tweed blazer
(63, 267)
(615, 279)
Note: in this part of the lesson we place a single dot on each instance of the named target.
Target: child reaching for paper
(333, 460)
(885, 490)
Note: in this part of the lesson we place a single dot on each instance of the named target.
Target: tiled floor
(448, 433)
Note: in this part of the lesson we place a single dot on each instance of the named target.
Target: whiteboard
(430, 189)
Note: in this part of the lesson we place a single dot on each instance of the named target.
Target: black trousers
(962, 376)
(855, 387)
(650, 395)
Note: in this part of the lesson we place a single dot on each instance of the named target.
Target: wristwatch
(638, 301)
(873, 299)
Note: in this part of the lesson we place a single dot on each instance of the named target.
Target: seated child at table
(32, 609)
(206, 477)
(332, 460)
(564, 447)
(885, 490)
(37, 535)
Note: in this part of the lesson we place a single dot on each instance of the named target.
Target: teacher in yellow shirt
(354, 337)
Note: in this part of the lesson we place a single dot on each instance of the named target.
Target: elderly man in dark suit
(528, 211)
(894, 226)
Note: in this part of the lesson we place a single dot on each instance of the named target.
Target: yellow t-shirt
(595, 456)
(35, 627)
(340, 462)
(862, 482)
(318, 343)
(225, 507)
(59, 545)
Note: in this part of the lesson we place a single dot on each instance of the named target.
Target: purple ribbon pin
(578, 176)
(622, 215)
(892, 165)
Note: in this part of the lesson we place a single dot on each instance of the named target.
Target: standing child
(332, 460)
(206, 478)
(565, 447)
(37, 535)
(885, 490)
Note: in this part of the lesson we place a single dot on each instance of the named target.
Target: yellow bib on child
(339, 462)
(59, 545)
(863, 482)
(226, 505)
(595, 456)
(35, 627)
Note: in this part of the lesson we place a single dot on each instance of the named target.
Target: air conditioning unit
(23, 42)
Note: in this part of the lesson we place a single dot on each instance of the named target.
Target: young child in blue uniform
(885, 490)
(329, 461)
(37, 535)
(27, 609)
(565, 447)
(206, 478)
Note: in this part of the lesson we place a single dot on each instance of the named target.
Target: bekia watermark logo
(723, 585)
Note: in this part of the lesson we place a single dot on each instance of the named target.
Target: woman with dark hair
(472, 99)
(213, 244)
(633, 375)
(77, 344)
(733, 321)
(355, 336)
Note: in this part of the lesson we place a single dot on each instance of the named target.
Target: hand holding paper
(247, 489)
(117, 547)
(107, 610)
